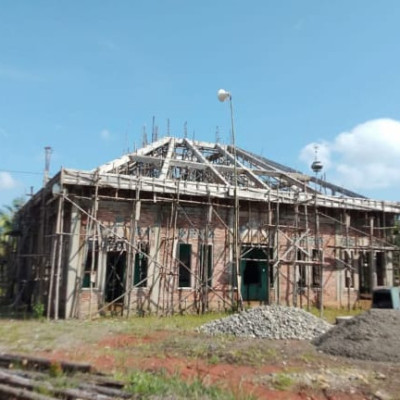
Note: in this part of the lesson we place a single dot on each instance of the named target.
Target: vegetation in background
(38, 310)
(7, 216)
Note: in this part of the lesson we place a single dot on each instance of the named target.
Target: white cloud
(7, 181)
(366, 157)
(105, 134)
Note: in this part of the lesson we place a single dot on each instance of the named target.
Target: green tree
(7, 217)
(7, 222)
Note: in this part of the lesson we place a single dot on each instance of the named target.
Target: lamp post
(223, 95)
(317, 166)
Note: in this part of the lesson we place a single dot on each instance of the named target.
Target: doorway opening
(115, 277)
(254, 270)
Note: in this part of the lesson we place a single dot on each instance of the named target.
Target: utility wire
(21, 172)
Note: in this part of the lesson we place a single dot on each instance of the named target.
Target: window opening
(380, 268)
(316, 268)
(89, 274)
(185, 252)
(141, 265)
(364, 274)
(349, 271)
(206, 263)
(301, 270)
(115, 275)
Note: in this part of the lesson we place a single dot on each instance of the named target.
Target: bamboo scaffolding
(53, 256)
(278, 264)
(151, 259)
(201, 280)
(131, 252)
(94, 244)
(59, 259)
(296, 223)
(320, 259)
(174, 242)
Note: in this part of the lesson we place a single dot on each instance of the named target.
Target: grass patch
(225, 349)
(282, 381)
(147, 385)
(330, 314)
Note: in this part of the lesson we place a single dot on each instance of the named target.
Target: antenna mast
(144, 137)
(217, 137)
(154, 130)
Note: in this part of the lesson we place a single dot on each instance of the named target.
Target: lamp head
(223, 95)
(55, 189)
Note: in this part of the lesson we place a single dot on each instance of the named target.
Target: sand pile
(373, 335)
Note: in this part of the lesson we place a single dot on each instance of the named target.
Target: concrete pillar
(74, 265)
(389, 268)
(154, 269)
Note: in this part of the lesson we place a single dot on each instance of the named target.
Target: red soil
(237, 378)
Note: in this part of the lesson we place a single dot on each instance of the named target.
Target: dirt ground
(263, 368)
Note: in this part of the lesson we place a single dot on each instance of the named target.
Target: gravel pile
(270, 322)
(373, 335)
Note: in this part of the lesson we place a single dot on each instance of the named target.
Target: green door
(254, 272)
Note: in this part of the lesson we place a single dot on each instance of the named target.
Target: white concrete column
(153, 269)
(74, 265)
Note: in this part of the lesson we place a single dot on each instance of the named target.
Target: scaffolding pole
(59, 260)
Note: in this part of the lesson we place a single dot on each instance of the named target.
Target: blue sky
(85, 77)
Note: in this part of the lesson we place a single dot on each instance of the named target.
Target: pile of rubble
(373, 335)
(269, 322)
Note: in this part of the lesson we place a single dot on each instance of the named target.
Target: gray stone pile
(372, 335)
(269, 322)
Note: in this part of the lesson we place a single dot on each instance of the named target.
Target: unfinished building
(189, 226)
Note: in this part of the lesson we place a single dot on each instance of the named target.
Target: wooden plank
(42, 363)
(21, 394)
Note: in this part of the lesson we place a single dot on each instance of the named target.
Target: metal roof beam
(167, 160)
(202, 159)
(283, 173)
(247, 171)
(112, 166)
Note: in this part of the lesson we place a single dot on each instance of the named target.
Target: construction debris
(39, 363)
(269, 322)
(25, 377)
(373, 335)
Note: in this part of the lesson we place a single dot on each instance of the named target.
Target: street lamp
(223, 95)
